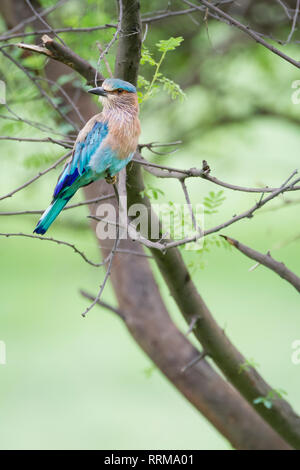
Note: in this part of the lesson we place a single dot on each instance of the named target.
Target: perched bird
(103, 147)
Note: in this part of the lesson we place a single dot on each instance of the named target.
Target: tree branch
(41, 173)
(70, 206)
(54, 240)
(65, 55)
(266, 260)
(162, 171)
(245, 29)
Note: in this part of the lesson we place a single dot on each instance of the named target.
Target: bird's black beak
(98, 91)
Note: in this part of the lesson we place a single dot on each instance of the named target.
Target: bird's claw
(111, 179)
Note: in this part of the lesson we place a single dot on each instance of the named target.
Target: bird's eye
(119, 91)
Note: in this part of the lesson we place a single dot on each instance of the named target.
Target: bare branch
(113, 40)
(162, 171)
(294, 23)
(268, 261)
(285, 8)
(54, 240)
(57, 30)
(41, 90)
(65, 94)
(245, 29)
(34, 124)
(134, 253)
(187, 198)
(115, 310)
(36, 13)
(146, 20)
(41, 173)
(193, 362)
(46, 12)
(109, 259)
(246, 214)
(65, 55)
(62, 143)
(99, 45)
(71, 206)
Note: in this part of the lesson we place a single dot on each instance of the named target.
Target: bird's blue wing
(84, 150)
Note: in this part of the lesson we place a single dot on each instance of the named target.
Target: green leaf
(147, 57)
(142, 82)
(247, 365)
(148, 371)
(170, 44)
(172, 88)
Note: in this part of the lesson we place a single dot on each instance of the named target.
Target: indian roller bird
(104, 146)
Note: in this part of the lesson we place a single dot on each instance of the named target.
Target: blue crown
(112, 84)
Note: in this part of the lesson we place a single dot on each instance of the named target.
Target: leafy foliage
(267, 401)
(176, 223)
(166, 45)
(247, 365)
(159, 80)
(151, 192)
(209, 243)
(148, 371)
(213, 201)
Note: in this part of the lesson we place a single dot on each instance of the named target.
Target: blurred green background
(81, 383)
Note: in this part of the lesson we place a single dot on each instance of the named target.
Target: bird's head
(116, 93)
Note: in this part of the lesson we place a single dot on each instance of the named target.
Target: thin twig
(245, 29)
(57, 30)
(41, 90)
(108, 260)
(247, 214)
(46, 12)
(103, 304)
(147, 20)
(43, 21)
(268, 261)
(285, 8)
(194, 361)
(113, 40)
(54, 240)
(162, 171)
(71, 206)
(104, 59)
(34, 124)
(192, 324)
(65, 94)
(134, 253)
(294, 23)
(188, 201)
(41, 173)
(57, 51)
(47, 139)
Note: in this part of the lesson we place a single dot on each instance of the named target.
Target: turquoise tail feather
(50, 214)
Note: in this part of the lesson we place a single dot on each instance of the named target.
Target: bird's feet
(111, 179)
